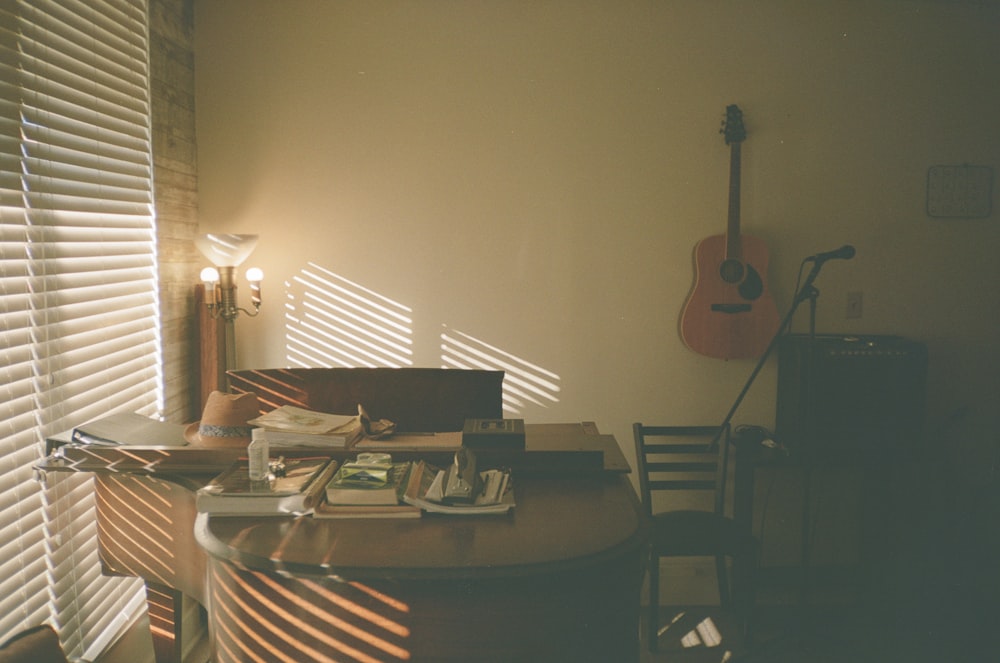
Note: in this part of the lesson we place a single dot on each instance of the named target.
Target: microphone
(846, 252)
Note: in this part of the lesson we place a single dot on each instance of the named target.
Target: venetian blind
(78, 305)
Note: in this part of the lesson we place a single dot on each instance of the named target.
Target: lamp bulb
(210, 275)
(255, 274)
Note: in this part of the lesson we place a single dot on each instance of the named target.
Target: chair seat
(682, 533)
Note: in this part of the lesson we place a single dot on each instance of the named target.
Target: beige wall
(533, 176)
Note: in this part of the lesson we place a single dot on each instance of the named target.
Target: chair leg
(653, 616)
(748, 592)
(722, 575)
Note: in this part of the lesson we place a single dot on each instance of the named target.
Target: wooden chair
(415, 399)
(682, 479)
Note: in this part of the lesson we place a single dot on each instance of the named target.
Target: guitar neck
(733, 224)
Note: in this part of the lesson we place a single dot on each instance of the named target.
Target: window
(78, 300)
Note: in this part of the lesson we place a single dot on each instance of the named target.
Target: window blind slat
(76, 194)
(59, 79)
(16, 415)
(112, 603)
(69, 221)
(11, 497)
(65, 59)
(66, 166)
(102, 123)
(112, 372)
(17, 329)
(80, 266)
(22, 528)
(75, 319)
(73, 151)
(12, 574)
(45, 201)
(78, 302)
(116, 27)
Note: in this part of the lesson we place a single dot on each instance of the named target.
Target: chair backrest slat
(681, 458)
(682, 484)
(681, 431)
(677, 449)
(653, 467)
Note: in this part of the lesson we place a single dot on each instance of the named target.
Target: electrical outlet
(854, 304)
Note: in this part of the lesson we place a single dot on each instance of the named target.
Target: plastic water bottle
(259, 455)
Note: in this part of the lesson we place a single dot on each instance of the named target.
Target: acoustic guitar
(729, 313)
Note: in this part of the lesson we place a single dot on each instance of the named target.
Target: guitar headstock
(732, 126)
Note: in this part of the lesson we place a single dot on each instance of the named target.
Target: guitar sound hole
(752, 286)
(731, 271)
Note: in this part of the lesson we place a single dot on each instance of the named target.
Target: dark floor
(929, 592)
(940, 622)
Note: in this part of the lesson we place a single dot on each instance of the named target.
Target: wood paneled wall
(176, 193)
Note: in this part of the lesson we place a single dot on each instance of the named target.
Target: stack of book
(290, 426)
(295, 486)
(370, 487)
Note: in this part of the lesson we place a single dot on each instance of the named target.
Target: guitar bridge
(731, 308)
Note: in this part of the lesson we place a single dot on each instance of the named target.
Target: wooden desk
(556, 580)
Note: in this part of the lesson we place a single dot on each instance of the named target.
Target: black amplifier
(850, 394)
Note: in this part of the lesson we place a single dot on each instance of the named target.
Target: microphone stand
(806, 291)
(744, 479)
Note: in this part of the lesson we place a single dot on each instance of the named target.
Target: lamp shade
(226, 250)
